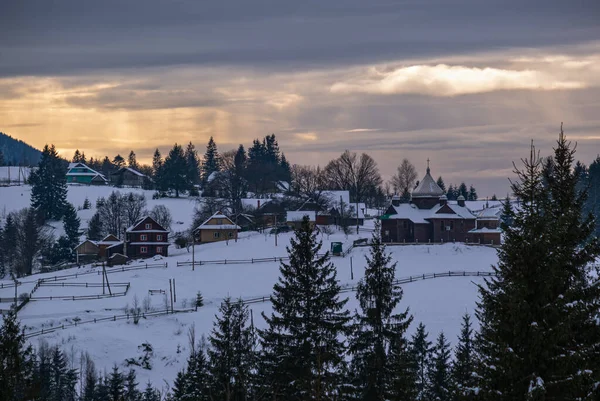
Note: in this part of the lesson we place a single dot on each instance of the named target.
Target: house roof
(83, 242)
(91, 172)
(123, 169)
(411, 212)
(427, 188)
(140, 221)
(218, 215)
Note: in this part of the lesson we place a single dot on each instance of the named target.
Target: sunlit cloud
(306, 136)
(363, 130)
(446, 80)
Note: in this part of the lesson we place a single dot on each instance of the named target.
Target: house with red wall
(146, 238)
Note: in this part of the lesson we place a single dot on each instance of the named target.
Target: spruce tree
(592, 204)
(131, 392)
(151, 394)
(463, 368)
(211, 162)
(472, 196)
(49, 185)
(193, 383)
(193, 164)
(539, 338)
(76, 156)
(462, 191)
(116, 384)
(403, 369)
(71, 225)
(175, 171)
(90, 381)
(506, 215)
(7, 245)
(231, 353)
(29, 242)
(440, 380)
(376, 326)
(303, 351)
(118, 161)
(441, 184)
(86, 204)
(16, 361)
(95, 228)
(132, 161)
(102, 390)
(421, 350)
(107, 166)
(285, 170)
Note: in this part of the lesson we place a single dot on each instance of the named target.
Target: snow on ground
(439, 303)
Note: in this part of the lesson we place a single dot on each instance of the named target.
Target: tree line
(538, 336)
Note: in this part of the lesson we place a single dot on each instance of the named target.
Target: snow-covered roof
(411, 212)
(427, 187)
(335, 197)
(299, 215)
(130, 170)
(130, 229)
(218, 215)
(91, 172)
(212, 176)
(491, 213)
(254, 202)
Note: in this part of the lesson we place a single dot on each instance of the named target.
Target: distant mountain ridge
(17, 152)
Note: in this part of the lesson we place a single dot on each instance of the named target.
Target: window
(159, 237)
(148, 226)
(143, 249)
(230, 234)
(159, 249)
(219, 221)
(216, 234)
(143, 237)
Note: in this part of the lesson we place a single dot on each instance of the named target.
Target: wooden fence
(238, 261)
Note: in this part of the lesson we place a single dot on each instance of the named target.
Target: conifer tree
(131, 392)
(86, 204)
(116, 384)
(538, 338)
(231, 353)
(118, 161)
(30, 239)
(107, 166)
(151, 394)
(71, 225)
(16, 360)
(507, 213)
(49, 185)
(421, 350)
(2, 161)
(193, 164)
(403, 368)
(463, 191)
(463, 368)
(376, 325)
(441, 184)
(303, 352)
(102, 390)
(76, 156)
(175, 171)
(211, 162)
(90, 381)
(95, 229)
(193, 383)
(285, 170)
(440, 380)
(132, 161)
(472, 196)
(7, 245)
(451, 193)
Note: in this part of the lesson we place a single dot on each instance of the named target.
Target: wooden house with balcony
(217, 227)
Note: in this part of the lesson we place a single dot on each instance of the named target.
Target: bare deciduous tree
(162, 215)
(308, 181)
(404, 179)
(359, 175)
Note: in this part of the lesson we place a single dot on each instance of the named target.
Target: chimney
(395, 200)
(461, 201)
(443, 200)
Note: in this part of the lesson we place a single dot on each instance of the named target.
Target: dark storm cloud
(41, 37)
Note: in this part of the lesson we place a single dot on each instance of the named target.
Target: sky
(465, 83)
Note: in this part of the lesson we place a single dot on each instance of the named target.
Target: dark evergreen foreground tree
(440, 380)
(71, 225)
(193, 383)
(303, 354)
(211, 162)
(231, 354)
(539, 334)
(421, 350)
(175, 171)
(463, 369)
(49, 185)
(16, 361)
(377, 327)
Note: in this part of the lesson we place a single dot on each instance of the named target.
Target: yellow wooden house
(217, 227)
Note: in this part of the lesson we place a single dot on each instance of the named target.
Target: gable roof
(90, 171)
(218, 215)
(411, 212)
(123, 169)
(133, 227)
(427, 188)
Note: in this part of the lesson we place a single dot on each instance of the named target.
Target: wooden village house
(128, 177)
(79, 173)
(146, 238)
(217, 227)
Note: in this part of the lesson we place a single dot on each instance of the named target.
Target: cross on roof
(428, 165)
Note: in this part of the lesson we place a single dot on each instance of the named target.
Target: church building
(428, 217)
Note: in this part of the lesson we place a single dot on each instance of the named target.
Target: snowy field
(438, 303)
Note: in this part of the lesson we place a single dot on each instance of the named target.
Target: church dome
(427, 188)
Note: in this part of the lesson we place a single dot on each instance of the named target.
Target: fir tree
(116, 385)
(211, 162)
(16, 361)
(232, 352)
(451, 193)
(76, 156)
(102, 390)
(441, 183)
(49, 185)
(95, 229)
(151, 394)
(539, 339)
(285, 170)
(29, 240)
(86, 204)
(7, 245)
(462, 190)
(592, 204)
(403, 369)
(376, 325)
(507, 213)
(463, 369)
(131, 392)
(132, 161)
(107, 166)
(62, 379)
(193, 164)
(91, 379)
(175, 171)
(2, 161)
(421, 350)
(472, 196)
(157, 171)
(303, 352)
(440, 380)
(71, 225)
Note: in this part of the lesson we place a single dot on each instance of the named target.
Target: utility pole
(275, 214)
(107, 283)
(357, 215)
(193, 250)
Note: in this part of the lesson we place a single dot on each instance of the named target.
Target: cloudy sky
(466, 83)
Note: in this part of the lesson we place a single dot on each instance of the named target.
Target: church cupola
(395, 200)
(461, 201)
(427, 194)
(443, 200)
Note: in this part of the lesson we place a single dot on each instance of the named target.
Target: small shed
(117, 259)
(87, 251)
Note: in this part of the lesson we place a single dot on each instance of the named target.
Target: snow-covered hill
(438, 303)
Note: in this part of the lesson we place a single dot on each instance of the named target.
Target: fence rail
(238, 261)
(114, 318)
